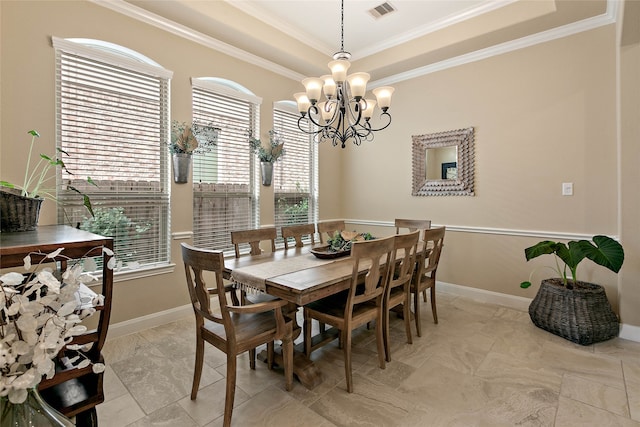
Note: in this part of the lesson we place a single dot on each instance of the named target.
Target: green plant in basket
(36, 179)
(341, 240)
(604, 251)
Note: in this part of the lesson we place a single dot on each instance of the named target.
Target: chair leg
(197, 370)
(252, 358)
(380, 339)
(424, 295)
(231, 389)
(407, 319)
(270, 351)
(346, 349)
(416, 312)
(433, 304)
(321, 327)
(387, 347)
(287, 356)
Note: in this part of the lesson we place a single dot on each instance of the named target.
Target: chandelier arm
(312, 132)
(355, 112)
(384, 114)
(336, 113)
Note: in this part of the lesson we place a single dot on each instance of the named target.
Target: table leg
(304, 369)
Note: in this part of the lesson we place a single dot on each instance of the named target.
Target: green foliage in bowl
(341, 240)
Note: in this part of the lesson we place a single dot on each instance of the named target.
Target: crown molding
(432, 27)
(157, 21)
(284, 26)
(609, 17)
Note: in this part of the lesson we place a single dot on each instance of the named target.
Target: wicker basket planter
(582, 315)
(18, 213)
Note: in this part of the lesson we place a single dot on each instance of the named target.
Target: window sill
(140, 273)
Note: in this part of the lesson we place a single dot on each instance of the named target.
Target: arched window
(112, 119)
(225, 186)
(295, 175)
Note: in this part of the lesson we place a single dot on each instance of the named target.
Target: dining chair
(297, 232)
(253, 238)
(363, 302)
(397, 293)
(425, 277)
(329, 228)
(413, 225)
(326, 230)
(238, 328)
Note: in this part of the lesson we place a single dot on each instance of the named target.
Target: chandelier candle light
(345, 113)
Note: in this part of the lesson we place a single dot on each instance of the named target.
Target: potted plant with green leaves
(565, 306)
(188, 139)
(20, 204)
(267, 154)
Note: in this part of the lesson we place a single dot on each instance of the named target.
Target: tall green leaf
(606, 252)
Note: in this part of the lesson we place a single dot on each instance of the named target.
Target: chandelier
(345, 113)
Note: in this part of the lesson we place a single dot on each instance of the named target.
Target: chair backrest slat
(298, 231)
(406, 246)
(379, 255)
(196, 262)
(253, 238)
(433, 242)
(412, 225)
(329, 228)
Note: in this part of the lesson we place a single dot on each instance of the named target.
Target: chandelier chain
(342, 27)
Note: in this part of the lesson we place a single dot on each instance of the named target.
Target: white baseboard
(628, 332)
(149, 321)
(482, 295)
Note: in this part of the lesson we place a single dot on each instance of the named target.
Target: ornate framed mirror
(443, 163)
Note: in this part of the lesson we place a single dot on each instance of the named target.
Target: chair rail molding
(552, 235)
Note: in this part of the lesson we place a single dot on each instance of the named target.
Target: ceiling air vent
(382, 10)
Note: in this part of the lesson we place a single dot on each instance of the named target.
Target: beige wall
(28, 102)
(543, 115)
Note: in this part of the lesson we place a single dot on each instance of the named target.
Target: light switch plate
(567, 188)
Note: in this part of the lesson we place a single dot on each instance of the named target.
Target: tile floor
(482, 365)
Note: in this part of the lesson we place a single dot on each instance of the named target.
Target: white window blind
(224, 180)
(295, 175)
(113, 122)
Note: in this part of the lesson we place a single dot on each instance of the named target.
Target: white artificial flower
(42, 319)
(90, 264)
(49, 280)
(55, 253)
(112, 263)
(27, 262)
(17, 395)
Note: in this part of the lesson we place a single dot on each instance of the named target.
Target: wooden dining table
(298, 276)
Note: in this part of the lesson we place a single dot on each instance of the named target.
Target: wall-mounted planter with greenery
(186, 140)
(267, 155)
